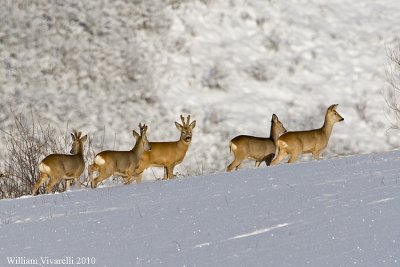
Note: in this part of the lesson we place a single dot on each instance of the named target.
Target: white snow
(336, 212)
(260, 231)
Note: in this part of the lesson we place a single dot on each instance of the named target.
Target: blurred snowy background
(104, 66)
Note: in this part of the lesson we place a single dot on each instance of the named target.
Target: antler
(185, 124)
(76, 134)
(183, 120)
(188, 120)
(142, 128)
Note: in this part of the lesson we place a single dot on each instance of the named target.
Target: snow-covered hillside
(338, 212)
(231, 64)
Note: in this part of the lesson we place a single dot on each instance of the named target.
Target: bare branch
(27, 142)
(392, 91)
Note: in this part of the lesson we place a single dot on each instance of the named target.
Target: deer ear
(73, 137)
(136, 135)
(192, 125)
(274, 117)
(332, 107)
(83, 139)
(180, 127)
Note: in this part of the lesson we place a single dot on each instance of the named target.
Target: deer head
(77, 142)
(142, 137)
(186, 129)
(332, 116)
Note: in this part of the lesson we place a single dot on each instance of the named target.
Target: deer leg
(281, 155)
(234, 164)
(129, 176)
(77, 181)
(67, 185)
(170, 172)
(258, 163)
(53, 181)
(103, 174)
(139, 178)
(315, 155)
(137, 174)
(128, 179)
(41, 180)
(165, 177)
(293, 158)
(268, 159)
(91, 168)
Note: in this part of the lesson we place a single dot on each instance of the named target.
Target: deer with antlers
(168, 154)
(123, 163)
(62, 166)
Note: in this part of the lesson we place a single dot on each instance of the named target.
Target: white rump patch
(233, 147)
(44, 168)
(99, 160)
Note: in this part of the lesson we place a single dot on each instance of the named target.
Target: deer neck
(274, 135)
(79, 152)
(182, 144)
(327, 128)
(138, 149)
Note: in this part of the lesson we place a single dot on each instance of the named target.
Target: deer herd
(131, 164)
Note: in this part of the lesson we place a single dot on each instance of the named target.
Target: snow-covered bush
(392, 91)
(28, 141)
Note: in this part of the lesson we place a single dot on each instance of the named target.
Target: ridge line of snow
(260, 231)
(381, 201)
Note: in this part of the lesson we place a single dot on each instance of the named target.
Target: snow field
(338, 212)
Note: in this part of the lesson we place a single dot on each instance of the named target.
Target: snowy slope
(231, 64)
(338, 212)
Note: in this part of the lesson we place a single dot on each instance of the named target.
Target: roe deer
(62, 166)
(312, 141)
(256, 148)
(168, 154)
(123, 163)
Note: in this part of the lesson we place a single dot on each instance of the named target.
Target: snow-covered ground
(231, 64)
(336, 212)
